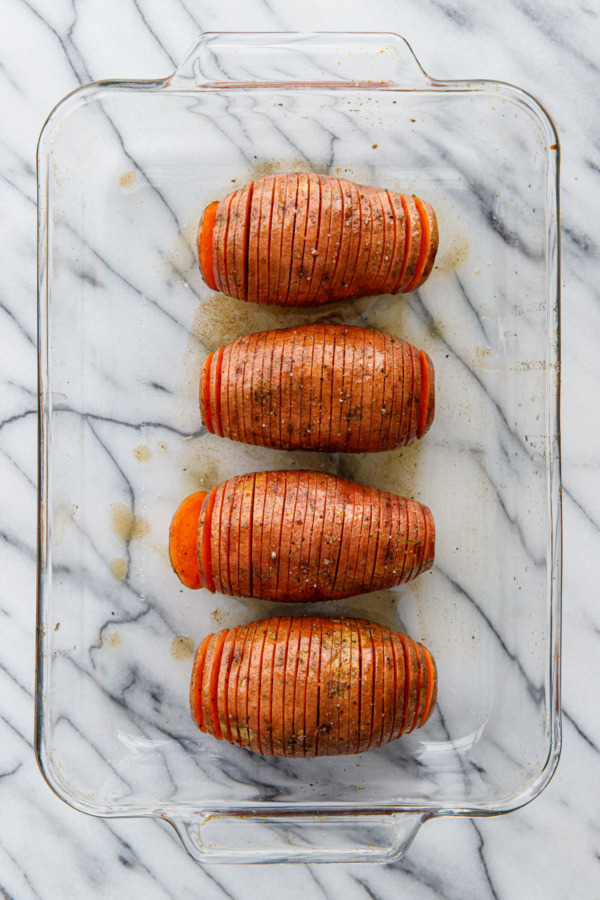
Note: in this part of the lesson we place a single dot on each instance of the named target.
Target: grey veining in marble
(48, 850)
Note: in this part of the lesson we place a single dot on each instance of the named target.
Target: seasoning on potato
(310, 686)
(332, 388)
(299, 536)
(301, 239)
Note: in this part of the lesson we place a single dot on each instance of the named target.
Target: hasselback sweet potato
(299, 536)
(310, 686)
(283, 389)
(302, 239)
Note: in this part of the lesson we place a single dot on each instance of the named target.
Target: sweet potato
(290, 686)
(310, 239)
(300, 536)
(333, 388)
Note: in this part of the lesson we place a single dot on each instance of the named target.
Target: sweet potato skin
(309, 239)
(332, 388)
(289, 686)
(301, 536)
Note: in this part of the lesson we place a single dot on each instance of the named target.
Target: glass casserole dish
(125, 321)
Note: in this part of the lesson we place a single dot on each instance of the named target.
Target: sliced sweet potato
(253, 241)
(310, 251)
(312, 691)
(431, 692)
(245, 688)
(411, 666)
(265, 688)
(289, 228)
(284, 644)
(183, 540)
(289, 533)
(297, 692)
(304, 239)
(275, 261)
(264, 238)
(223, 676)
(335, 242)
(413, 242)
(367, 686)
(295, 526)
(378, 686)
(197, 679)
(311, 686)
(434, 239)
(337, 287)
(254, 684)
(233, 684)
(390, 687)
(353, 219)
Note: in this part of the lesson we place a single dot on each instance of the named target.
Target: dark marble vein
(69, 49)
(483, 194)
(580, 731)
(535, 692)
(18, 545)
(129, 859)
(153, 33)
(435, 325)
(23, 875)
(16, 188)
(413, 873)
(456, 15)
(19, 469)
(13, 678)
(311, 871)
(92, 745)
(18, 417)
(369, 893)
(480, 849)
(582, 242)
(513, 521)
(129, 284)
(16, 731)
(556, 35)
(567, 493)
(28, 337)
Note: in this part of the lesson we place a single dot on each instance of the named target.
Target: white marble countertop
(547, 849)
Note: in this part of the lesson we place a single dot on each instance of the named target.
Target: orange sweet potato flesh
(309, 686)
(429, 244)
(264, 237)
(306, 691)
(183, 540)
(333, 388)
(222, 678)
(323, 723)
(233, 254)
(218, 230)
(205, 244)
(412, 245)
(197, 679)
(379, 698)
(309, 239)
(204, 550)
(207, 686)
(277, 700)
(247, 634)
(304, 536)
(255, 685)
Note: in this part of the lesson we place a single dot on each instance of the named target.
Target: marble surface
(49, 850)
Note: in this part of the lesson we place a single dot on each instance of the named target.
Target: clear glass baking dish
(125, 169)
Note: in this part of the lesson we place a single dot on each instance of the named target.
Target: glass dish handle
(252, 59)
(280, 838)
